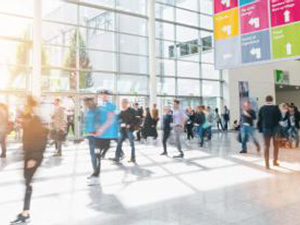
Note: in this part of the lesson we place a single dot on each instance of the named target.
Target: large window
(185, 51)
(88, 45)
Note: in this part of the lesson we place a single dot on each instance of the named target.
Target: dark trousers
(138, 135)
(28, 175)
(189, 130)
(3, 144)
(166, 135)
(226, 124)
(72, 126)
(219, 124)
(268, 136)
(125, 134)
(103, 145)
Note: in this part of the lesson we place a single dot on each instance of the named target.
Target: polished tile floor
(213, 185)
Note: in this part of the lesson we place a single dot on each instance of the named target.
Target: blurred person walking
(247, 127)
(139, 113)
(91, 126)
(127, 123)
(268, 122)
(108, 125)
(34, 144)
(58, 127)
(284, 126)
(200, 120)
(4, 116)
(167, 122)
(294, 120)
(226, 117)
(179, 120)
(149, 126)
(218, 120)
(190, 123)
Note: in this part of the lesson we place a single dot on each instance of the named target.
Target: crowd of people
(104, 124)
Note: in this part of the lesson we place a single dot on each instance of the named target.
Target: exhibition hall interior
(149, 112)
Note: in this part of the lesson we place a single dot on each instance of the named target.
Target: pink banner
(284, 11)
(222, 5)
(254, 17)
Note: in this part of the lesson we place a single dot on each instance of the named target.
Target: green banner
(286, 41)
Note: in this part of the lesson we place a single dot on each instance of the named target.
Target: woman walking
(34, 145)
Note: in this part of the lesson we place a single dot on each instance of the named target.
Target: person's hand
(99, 132)
(31, 164)
(128, 126)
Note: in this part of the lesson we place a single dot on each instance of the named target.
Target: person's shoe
(132, 160)
(275, 163)
(116, 160)
(3, 156)
(164, 153)
(21, 219)
(57, 154)
(178, 156)
(243, 152)
(93, 181)
(91, 176)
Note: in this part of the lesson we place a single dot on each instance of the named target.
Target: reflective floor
(212, 185)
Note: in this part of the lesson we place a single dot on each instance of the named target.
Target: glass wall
(89, 45)
(185, 52)
(95, 44)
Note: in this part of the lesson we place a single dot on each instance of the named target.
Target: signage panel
(250, 32)
(284, 12)
(256, 47)
(254, 17)
(227, 24)
(222, 5)
(286, 41)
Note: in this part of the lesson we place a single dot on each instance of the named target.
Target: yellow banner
(227, 24)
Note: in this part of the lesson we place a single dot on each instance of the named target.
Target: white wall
(261, 82)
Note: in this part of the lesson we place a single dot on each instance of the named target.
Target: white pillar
(152, 54)
(37, 49)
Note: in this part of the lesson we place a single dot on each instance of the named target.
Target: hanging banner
(249, 32)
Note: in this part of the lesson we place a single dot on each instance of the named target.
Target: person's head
(246, 105)
(125, 103)
(105, 95)
(235, 122)
(147, 111)
(208, 109)
(269, 99)
(283, 107)
(56, 102)
(32, 104)
(154, 106)
(136, 106)
(89, 103)
(292, 109)
(167, 110)
(176, 104)
(199, 109)
(217, 110)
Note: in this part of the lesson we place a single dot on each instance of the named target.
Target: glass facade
(89, 45)
(185, 52)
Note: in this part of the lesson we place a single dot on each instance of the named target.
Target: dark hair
(57, 99)
(269, 98)
(176, 101)
(31, 102)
